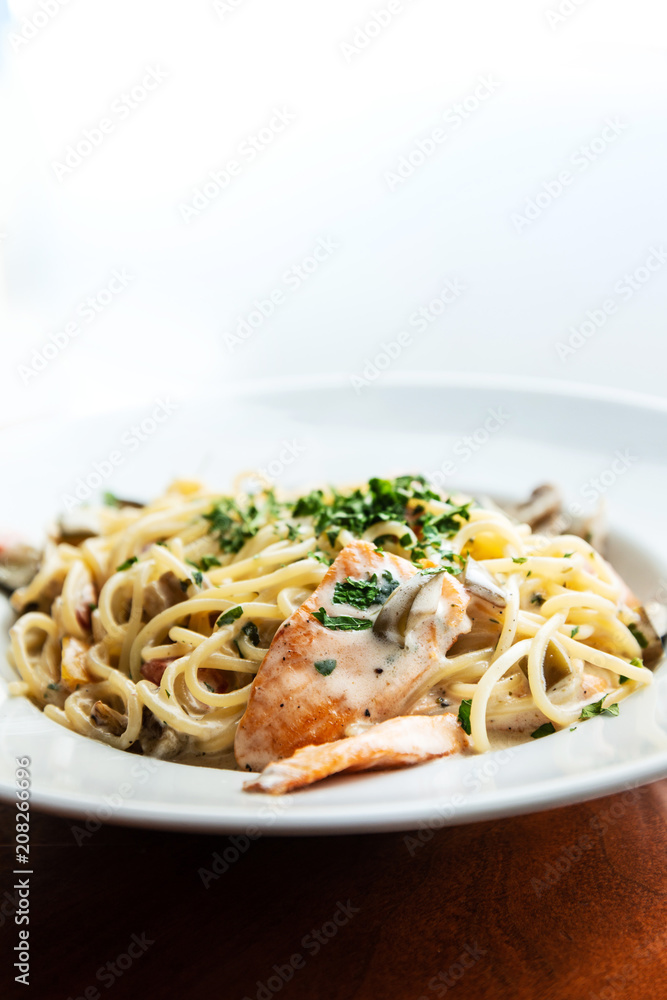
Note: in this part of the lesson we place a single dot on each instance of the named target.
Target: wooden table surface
(564, 904)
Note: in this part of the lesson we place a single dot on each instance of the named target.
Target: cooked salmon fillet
(315, 680)
(399, 742)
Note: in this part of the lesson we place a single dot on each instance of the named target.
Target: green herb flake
(126, 565)
(321, 557)
(109, 500)
(574, 631)
(597, 708)
(342, 623)
(537, 599)
(229, 616)
(53, 687)
(208, 561)
(639, 635)
(636, 662)
(251, 632)
(520, 560)
(363, 594)
(545, 730)
(325, 667)
(464, 715)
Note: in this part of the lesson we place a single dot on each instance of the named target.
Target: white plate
(327, 431)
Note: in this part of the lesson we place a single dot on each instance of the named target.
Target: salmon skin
(399, 742)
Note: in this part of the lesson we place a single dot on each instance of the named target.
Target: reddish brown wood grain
(565, 904)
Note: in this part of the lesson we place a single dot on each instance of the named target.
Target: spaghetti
(147, 634)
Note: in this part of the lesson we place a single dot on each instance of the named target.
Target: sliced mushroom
(540, 510)
(477, 580)
(77, 525)
(653, 651)
(392, 621)
(159, 740)
(108, 718)
(162, 594)
(18, 565)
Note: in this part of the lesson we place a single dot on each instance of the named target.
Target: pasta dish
(339, 630)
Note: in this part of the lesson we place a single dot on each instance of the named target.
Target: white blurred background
(542, 201)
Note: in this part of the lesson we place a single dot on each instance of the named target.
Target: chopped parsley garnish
(464, 715)
(197, 574)
(321, 557)
(229, 616)
(574, 631)
(208, 561)
(568, 555)
(405, 540)
(309, 505)
(363, 594)
(636, 662)
(597, 709)
(251, 632)
(325, 667)
(520, 560)
(126, 565)
(639, 635)
(537, 599)
(233, 524)
(342, 623)
(545, 730)
(109, 500)
(292, 532)
(53, 687)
